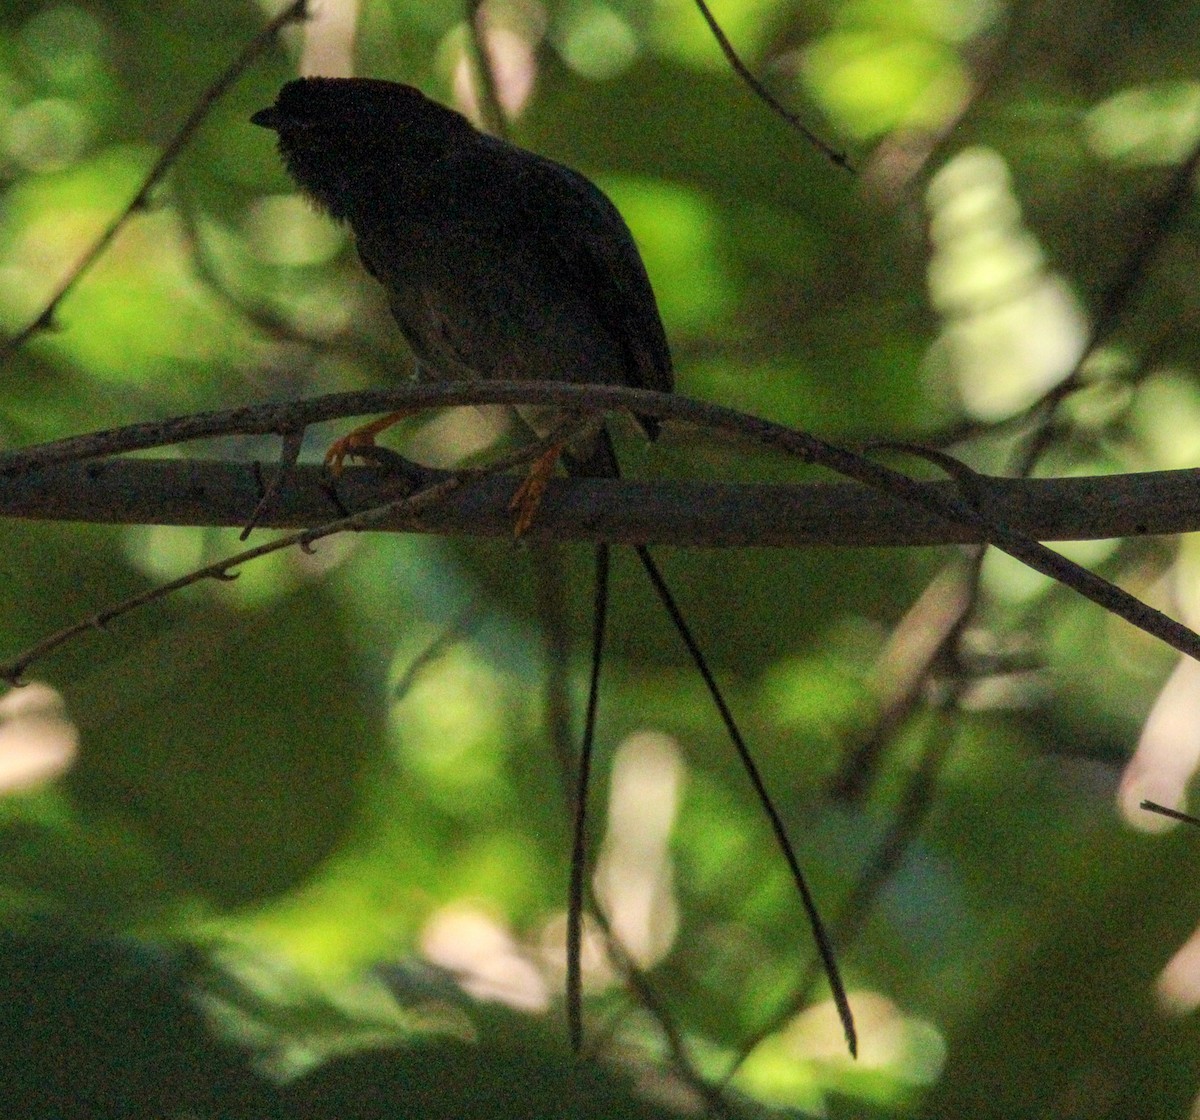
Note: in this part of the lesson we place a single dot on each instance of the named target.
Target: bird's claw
(528, 496)
(347, 447)
(359, 443)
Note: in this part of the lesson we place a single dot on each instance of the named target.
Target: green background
(306, 770)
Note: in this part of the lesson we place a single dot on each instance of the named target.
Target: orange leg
(524, 502)
(359, 440)
(528, 496)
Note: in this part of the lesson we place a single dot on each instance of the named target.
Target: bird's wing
(587, 242)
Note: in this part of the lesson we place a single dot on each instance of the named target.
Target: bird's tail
(600, 461)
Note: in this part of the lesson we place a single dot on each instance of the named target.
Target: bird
(501, 263)
(497, 262)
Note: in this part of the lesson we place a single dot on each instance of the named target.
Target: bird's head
(339, 136)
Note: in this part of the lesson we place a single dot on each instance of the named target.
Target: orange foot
(528, 496)
(358, 442)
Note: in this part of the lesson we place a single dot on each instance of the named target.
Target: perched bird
(497, 262)
(500, 263)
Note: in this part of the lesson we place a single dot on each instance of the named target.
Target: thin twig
(712, 1095)
(289, 456)
(583, 774)
(1160, 217)
(855, 772)
(13, 670)
(1175, 814)
(760, 91)
(44, 320)
(1152, 232)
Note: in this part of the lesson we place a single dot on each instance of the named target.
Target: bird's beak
(268, 118)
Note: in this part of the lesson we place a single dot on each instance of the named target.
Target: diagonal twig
(1159, 219)
(13, 670)
(1174, 814)
(839, 159)
(293, 13)
(289, 456)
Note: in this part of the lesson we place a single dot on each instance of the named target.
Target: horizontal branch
(971, 507)
(207, 493)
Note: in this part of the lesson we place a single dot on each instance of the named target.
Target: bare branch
(686, 514)
(13, 670)
(965, 511)
(682, 514)
(1175, 814)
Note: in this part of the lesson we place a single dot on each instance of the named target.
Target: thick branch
(197, 492)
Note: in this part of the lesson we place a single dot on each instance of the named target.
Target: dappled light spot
(634, 875)
(283, 229)
(883, 1032)
(1146, 125)
(1169, 446)
(595, 40)
(450, 731)
(595, 967)
(1011, 581)
(1178, 986)
(1167, 754)
(46, 135)
(1012, 329)
(784, 1069)
(485, 958)
(148, 313)
(329, 34)
(38, 743)
(679, 234)
(1016, 582)
(325, 309)
(509, 38)
(168, 552)
(875, 82)
(446, 438)
(64, 43)
(163, 552)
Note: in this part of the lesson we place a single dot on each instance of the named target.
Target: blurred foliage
(332, 779)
